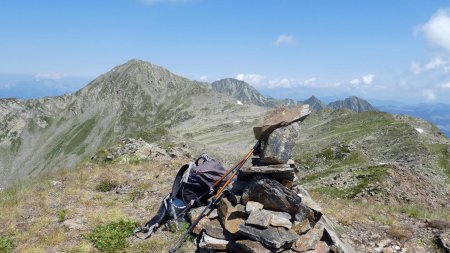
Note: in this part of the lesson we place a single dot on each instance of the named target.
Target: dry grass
(33, 208)
(346, 211)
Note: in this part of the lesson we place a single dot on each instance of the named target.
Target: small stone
(213, 214)
(235, 199)
(240, 208)
(208, 242)
(252, 206)
(259, 218)
(79, 224)
(309, 240)
(230, 217)
(444, 240)
(321, 247)
(280, 219)
(193, 215)
(301, 227)
(214, 229)
(388, 250)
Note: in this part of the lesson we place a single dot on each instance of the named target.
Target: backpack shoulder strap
(181, 178)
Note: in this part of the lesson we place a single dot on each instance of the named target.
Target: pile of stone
(263, 210)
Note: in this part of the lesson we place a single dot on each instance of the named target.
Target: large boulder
(275, 197)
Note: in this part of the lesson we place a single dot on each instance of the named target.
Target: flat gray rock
(272, 237)
(278, 172)
(252, 206)
(249, 246)
(208, 242)
(260, 218)
(280, 219)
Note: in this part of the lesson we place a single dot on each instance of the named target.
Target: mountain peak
(353, 103)
(314, 103)
(241, 91)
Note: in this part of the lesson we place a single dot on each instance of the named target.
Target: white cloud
(48, 76)
(433, 64)
(285, 40)
(368, 79)
(203, 78)
(282, 83)
(363, 82)
(253, 79)
(437, 29)
(355, 81)
(429, 95)
(309, 81)
(445, 85)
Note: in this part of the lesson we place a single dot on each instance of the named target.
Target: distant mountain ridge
(352, 103)
(246, 93)
(242, 91)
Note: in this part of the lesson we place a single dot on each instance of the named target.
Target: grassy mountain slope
(134, 99)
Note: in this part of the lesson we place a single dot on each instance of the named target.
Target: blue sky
(386, 50)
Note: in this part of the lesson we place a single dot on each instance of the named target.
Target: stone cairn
(265, 211)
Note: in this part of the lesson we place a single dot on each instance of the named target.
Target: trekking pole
(214, 199)
(243, 160)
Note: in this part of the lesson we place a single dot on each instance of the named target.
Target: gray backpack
(193, 186)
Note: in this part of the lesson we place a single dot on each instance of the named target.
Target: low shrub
(112, 237)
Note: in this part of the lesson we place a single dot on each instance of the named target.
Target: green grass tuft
(6, 245)
(106, 185)
(61, 215)
(112, 237)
